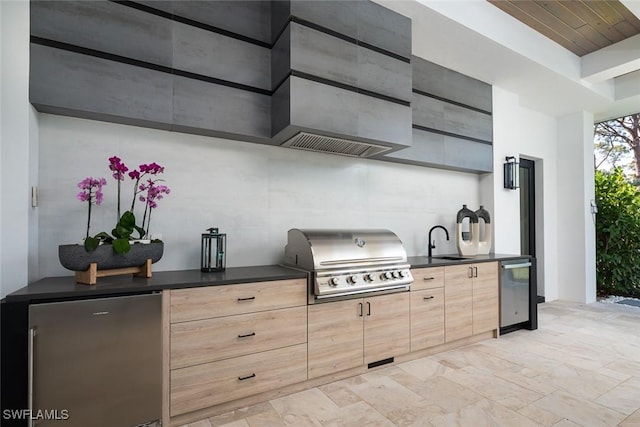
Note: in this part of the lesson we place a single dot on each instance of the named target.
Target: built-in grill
(347, 263)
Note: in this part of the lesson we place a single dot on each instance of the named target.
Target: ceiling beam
(612, 61)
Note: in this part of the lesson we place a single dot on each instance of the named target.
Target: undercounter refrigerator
(518, 301)
(96, 362)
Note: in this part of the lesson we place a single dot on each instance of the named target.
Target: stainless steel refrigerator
(96, 362)
(517, 295)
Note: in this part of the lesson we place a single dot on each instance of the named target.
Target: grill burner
(347, 263)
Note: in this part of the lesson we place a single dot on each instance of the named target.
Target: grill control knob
(396, 274)
(368, 277)
(333, 281)
(352, 279)
(386, 275)
(404, 273)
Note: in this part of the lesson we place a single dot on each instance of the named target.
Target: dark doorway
(528, 210)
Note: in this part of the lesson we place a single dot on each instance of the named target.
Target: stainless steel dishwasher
(517, 305)
(96, 362)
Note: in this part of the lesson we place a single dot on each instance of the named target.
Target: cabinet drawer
(216, 301)
(208, 340)
(427, 278)
(427, 318)
(209, 384)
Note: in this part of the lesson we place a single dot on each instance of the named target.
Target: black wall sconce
(511, 173)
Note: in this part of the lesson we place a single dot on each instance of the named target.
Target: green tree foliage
(617, 234)
(618, 140)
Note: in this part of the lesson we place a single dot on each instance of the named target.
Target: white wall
(254, 193)
(525, 133)
(16, 171)
(576, 238)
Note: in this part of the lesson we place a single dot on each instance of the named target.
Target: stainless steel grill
(347, 263)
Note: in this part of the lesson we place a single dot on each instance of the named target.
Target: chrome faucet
(432, 245)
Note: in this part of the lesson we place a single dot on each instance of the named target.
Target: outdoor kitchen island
(242, 336)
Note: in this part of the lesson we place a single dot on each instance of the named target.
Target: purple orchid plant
(149, 192)
(92, 194)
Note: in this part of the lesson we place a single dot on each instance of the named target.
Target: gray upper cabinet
(106, 27)
(210, 54)
(361, 20)
(339, 16)
(451, 119)
(445, 152)
(69, 83)
(261, 71)
(447, 84)
(219, 110)
(156, 64)
(443, 116)
(249, 18)
(385, 29)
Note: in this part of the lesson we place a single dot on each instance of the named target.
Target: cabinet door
(486, 298)
(386, 326)
(335, 336)
(427, 318)
(427, 278)
(208, 340)
(201, 386)
(458, 298)
(216, 301)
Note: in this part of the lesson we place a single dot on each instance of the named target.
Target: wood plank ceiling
(581, 26)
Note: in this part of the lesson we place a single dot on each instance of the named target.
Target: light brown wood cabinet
(471, 299)
(427, 307)
(427, 278)
(233, 341)
(486, 298)
(348, 334)
(216, 301)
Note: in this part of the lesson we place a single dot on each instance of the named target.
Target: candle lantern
(212, 252)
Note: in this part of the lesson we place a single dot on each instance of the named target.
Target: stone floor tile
(309, 407)
(540, 416)
(632, 420)
(358, 414)
(484, 413)
(579, 411)
(239, 414)
(624, 398)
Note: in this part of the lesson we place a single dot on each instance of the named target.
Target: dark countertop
(57, 288)
(66, 287)
(437, 261)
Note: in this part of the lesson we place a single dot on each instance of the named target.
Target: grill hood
(318, 250)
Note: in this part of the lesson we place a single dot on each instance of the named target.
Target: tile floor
(580, 368)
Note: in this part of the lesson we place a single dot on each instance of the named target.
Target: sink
(451, 257)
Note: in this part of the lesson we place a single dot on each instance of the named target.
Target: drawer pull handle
(252, 334)
(426, 279)
(429, 297)
(248, 377)
(246, 299)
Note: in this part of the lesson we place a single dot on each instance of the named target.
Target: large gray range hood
(339, 86)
